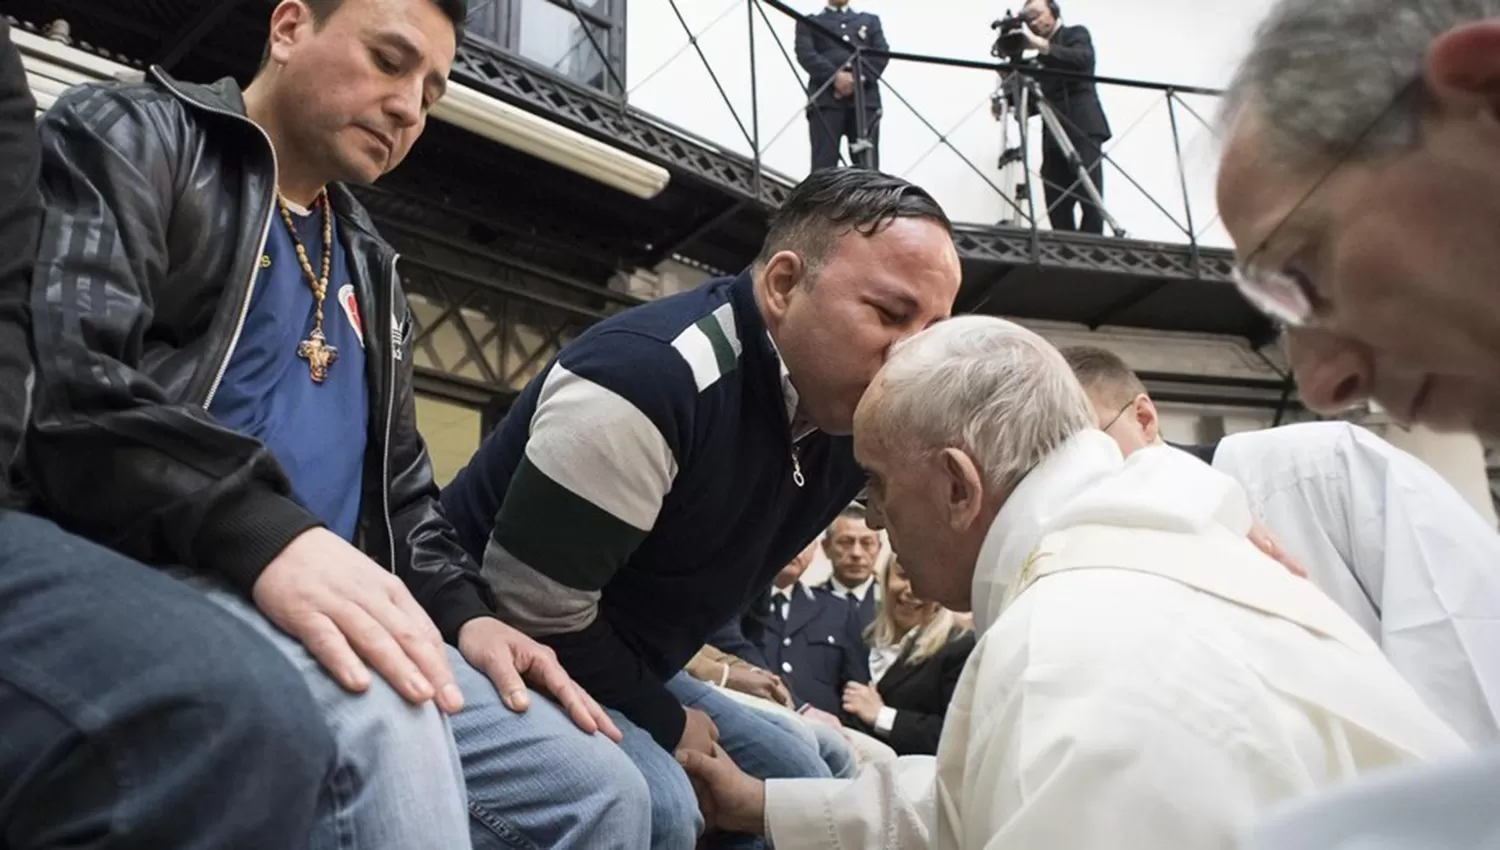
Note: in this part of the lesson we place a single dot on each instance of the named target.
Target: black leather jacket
(20, 217)
(159, 198)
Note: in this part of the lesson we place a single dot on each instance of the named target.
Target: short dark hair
(833, 200)
(457, 12)
(854, 510)
(1101, 370)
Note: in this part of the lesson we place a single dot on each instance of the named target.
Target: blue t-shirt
(317, 431)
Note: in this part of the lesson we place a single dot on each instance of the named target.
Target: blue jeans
(397, 783)
(760, 747)
(536, 781)
(826, 741)
(135, 714)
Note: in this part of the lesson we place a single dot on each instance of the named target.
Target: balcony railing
(941, 123)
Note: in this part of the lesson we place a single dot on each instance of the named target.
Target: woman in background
(917, 651)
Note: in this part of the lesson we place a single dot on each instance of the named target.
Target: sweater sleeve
(600, 457)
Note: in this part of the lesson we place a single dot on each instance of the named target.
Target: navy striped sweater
(643, 489)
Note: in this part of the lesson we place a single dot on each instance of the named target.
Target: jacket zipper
(239, 325)
(390, 411)
(797, 476)
(265, 233)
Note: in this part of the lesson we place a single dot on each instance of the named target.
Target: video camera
(1011, 42)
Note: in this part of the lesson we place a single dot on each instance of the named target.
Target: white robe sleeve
(889, 806)
(1440, 594)
(1397, 547)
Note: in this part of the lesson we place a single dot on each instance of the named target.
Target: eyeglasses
(1118, 414)
(1287, 297)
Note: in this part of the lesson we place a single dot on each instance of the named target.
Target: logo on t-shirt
(351, 311)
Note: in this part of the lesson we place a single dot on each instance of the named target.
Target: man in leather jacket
(222, 707)
(224, 388)
(1076, 101)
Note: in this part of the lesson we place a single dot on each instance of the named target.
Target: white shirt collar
(1072, 468)
(840, 590)
(297, 209)
(800, 428)
(786, 592)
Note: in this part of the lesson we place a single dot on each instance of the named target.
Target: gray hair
(853, 510)
(988, 387)
(1339, 78)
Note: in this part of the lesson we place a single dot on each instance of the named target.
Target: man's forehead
(907, 255)
(1256, 196)
(851, 525)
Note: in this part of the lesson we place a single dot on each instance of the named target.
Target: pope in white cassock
(1145, 679)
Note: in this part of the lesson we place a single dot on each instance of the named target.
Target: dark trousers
(1058, 176)
(829, 125)
(134, 713)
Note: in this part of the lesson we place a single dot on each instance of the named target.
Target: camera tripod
(1015, 95)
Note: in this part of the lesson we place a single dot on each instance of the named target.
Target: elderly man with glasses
(1361, 184)
(1144, 677)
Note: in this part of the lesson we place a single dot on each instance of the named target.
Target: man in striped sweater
(649, 483)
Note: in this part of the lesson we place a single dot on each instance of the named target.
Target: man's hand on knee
(511, 659)
(348, 612)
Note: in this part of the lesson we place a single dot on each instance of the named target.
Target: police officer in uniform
(835, 107)
(812, 640)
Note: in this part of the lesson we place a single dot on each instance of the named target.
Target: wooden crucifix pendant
(318, 354)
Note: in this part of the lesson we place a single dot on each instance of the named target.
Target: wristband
(724, 679)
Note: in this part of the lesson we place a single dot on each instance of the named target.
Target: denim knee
(380, 733)
(836, 751)
(257, 719)
(676, 821)
(785, 751)
(535, 780)
(623, 795)
(600, 794)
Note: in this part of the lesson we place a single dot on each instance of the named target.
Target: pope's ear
(963, 488)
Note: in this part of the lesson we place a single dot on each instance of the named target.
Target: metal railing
(939, 125)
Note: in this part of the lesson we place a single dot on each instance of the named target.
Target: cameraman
(1077, 105)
